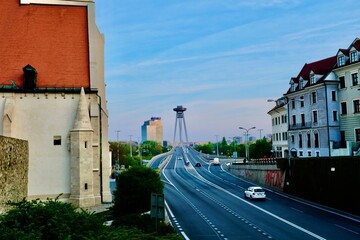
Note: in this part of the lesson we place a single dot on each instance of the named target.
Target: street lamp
(118, 148)
(246, 140)
(217, 145)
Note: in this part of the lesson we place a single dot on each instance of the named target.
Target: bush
(37, 220)
(133, 190)
(48, 220)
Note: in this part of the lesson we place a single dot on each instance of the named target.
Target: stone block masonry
(14, 165)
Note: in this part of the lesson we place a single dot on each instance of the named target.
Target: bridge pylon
(180, 116)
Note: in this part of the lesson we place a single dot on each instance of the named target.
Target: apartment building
(279, 123)
(347, 70)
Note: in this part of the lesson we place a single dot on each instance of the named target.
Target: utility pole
(260, 132)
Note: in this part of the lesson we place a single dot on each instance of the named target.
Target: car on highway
(255, 192)
(179, 158)
(198, 164)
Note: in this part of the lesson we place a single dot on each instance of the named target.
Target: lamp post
(246, 141)
(117, 139)
(217, 145)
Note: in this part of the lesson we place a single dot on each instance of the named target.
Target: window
(303, 120)
(300, 141)
(354, 78)
(316, 140)
(294, 120)
(57, 140)
(308, 140)
(315, 116)
(342, 82)
(293, 87)
(302, 101)
(313, 97)
(284, 136)
(333, 95)
(354, 56)
(312, 78)
(343, 108)
(292, 138)
(357, 135)
(342, 139)
(293, 103)
(301, 84)
(341, 61)
(335, 118)
(357, 106)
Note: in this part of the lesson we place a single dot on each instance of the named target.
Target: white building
(279, 122)
(347, 71)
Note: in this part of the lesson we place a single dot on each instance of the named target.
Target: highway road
(207, 202)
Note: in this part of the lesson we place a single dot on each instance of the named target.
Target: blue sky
(221, 59)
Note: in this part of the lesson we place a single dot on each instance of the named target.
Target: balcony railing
(302, 125)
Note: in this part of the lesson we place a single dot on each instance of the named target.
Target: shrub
(133, 190)
(50, 219)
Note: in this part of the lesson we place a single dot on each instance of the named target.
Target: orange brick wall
(53, 39)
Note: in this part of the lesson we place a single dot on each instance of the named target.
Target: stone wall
(14, 165)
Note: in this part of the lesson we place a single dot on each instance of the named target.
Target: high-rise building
(152, 130)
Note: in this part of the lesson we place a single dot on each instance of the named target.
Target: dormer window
(301, 84)
(312, 78)
(293, 87)
(354, 57)
(341, 60)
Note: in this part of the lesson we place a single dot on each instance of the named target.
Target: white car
(255, 192)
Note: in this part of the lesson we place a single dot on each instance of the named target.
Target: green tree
(259, 149)
(205, 148)
(134, 188)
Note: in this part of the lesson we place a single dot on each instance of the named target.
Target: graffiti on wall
(274, 178)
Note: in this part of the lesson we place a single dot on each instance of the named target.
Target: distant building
(53, 96)
(279, 128)
(152, 130)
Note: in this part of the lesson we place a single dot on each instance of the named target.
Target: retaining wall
(14, 165)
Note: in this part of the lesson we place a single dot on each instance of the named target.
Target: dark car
(198, 164)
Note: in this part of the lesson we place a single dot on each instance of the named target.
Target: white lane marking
(298, 210)
(261, 209)
(346, 229)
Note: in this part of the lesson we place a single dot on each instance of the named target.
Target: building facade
(313, 110)
(347, 70)
(53, 96)
(323, 107)
(279, 125)
(152, 130)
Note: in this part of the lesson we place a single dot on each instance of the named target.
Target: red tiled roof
(344, 51)
(319, 67)
(356, 44)
(276, 107)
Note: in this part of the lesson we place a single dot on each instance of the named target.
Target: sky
(220, 59)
